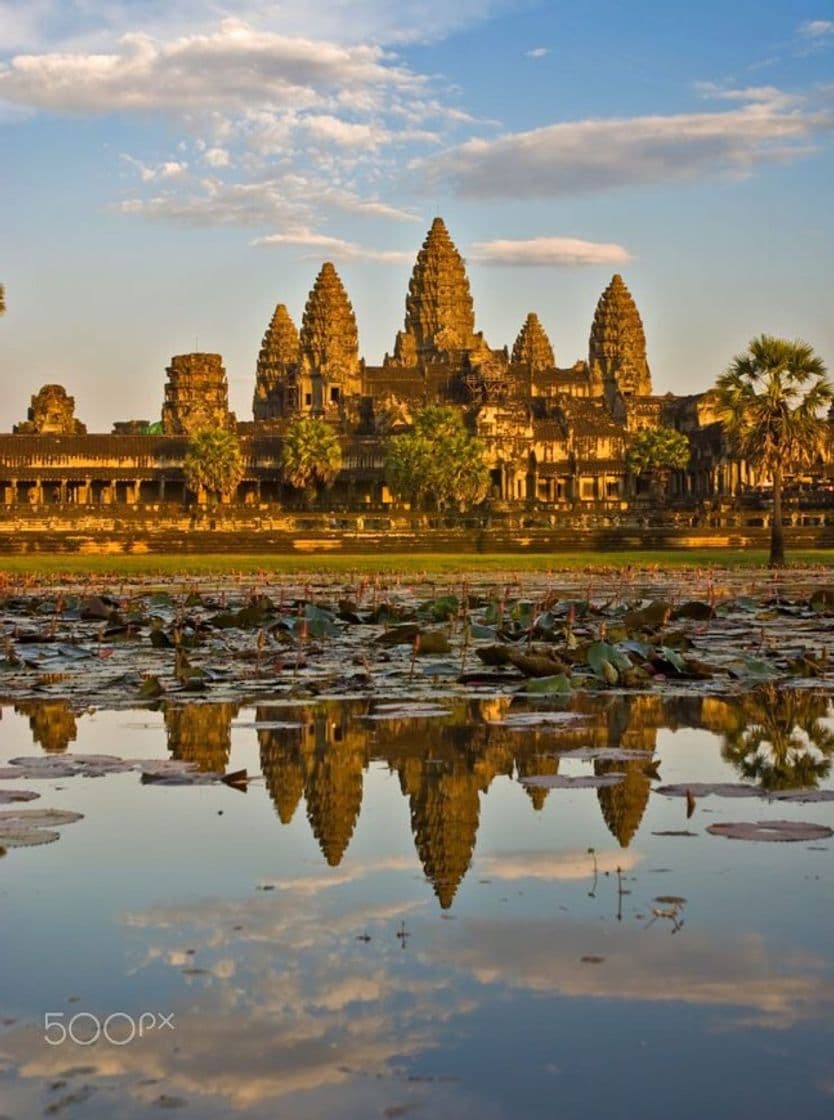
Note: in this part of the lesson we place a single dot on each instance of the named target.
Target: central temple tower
(439, 316)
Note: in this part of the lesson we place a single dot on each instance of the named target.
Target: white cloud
(537, 52)
(579, 156)
(291, 201)
(544, 251)
(817, 28)
(347, 134)
(335, 247)
(169, 169)
(771, 96)
(551, 866)
(281, 109)
(216, 157)
(231, 68)
(62, 22)
(214, 203)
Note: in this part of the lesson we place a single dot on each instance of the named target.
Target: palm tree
(311, 455)
(782, 741)
(770, 399)
(213, 462)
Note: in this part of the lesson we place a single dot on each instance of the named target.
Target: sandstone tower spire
(617, 347)
(439, 317)
(329, 343)
(279, 355)
(532, 347)
(329, 338)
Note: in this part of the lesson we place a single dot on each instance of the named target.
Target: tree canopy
(655, 449)
(771, 400)
(311, 455)
(438, 462)
(213, 462)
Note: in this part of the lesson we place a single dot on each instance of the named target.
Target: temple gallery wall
(555, 436)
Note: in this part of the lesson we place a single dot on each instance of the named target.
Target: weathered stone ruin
(52, 412)
(196, 395)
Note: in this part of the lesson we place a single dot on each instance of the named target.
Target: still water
(387, 922)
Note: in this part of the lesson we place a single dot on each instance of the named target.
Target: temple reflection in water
(780, 738)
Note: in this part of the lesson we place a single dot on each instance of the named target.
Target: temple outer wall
(135, 531)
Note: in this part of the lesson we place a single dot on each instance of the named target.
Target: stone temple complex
(555, 436)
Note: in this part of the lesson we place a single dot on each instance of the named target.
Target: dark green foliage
(438, 463)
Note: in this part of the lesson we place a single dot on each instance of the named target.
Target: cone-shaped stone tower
(334, 797)
(277, 362)
(283, 769)
(329, 338)
(444, 819)
(617, 348)
(439, 316)
(532, 347)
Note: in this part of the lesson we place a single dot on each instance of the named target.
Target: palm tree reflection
(781, 739)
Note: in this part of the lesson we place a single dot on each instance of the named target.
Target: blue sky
(171, 170)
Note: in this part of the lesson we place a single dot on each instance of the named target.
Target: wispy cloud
(537, 52)
(548, 251)
(168, 169)
(89, 22)
(292, 200)
(817, 28)
(335, 247)
(597, 155)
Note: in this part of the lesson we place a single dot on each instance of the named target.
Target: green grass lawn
(407, 563)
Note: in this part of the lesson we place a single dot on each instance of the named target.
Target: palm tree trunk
(777, 531)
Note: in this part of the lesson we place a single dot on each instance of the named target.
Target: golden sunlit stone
(196, 395)
(52, 412)
(532, 347)
(279, 356)
(329, 338)
(617, 347)
(439, 315)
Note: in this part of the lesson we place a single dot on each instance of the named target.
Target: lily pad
(705, 789)
(7, 796)
(555, 685)
(773, 831)
(562, 781)
(26, 837)
(37, 818)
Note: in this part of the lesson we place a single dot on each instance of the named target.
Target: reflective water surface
(387, 921)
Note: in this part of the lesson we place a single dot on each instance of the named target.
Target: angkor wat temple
(555, 436)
